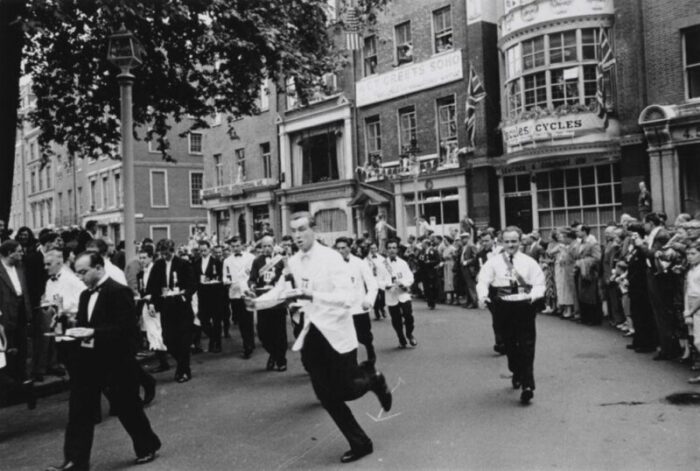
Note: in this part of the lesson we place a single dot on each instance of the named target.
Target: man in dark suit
(272, 322)
(102, 358)
(660, 287)
(15, 310)
(467, 262)
(86, 235)
(170, 287)
(207, 272)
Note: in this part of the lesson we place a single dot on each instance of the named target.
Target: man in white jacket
(328, 342)
(365, 288)
(398, 297)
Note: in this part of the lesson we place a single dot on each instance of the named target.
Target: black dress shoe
(282, 367)
(354, 455)
(526, 396)
(146, 458)
(380, 388)
(149, 390)
(183, 378)
(69, 466)
(270, 363)
(412, 342)
(516, 383)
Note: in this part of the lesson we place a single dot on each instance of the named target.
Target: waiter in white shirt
(514, 274)
(60, 301)
(328, 341)
(377, 264)
(364, 287)
(237, 269)
(398, 297)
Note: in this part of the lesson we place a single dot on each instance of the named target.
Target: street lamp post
(124, 51)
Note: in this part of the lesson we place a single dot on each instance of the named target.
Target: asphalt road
(597, 406)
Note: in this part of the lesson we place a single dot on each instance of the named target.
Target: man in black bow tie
(103, 358)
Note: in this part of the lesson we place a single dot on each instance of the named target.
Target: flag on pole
(352, 29)
(605, 63)
(475, 93)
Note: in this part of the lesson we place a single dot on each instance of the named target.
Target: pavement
(598, 406)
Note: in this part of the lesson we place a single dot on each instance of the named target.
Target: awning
(369, 196)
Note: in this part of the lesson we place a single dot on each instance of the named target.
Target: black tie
(511, 258)
(94, 290)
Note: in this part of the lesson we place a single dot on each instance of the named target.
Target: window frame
(445, 32)
(192, 173)
(696, 66)
(218, 170)
(404, 112)
(158, 226)
(400, 59)
(189, 143)
(370, 123)
(366, 57)
(165, 185)
(240, 164)
(266, 158)
(441, 103)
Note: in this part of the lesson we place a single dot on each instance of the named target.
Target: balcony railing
(237, 189)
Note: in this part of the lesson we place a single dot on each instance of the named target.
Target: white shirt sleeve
(486, 276)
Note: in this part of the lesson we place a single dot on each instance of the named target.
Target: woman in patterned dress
(547, 263)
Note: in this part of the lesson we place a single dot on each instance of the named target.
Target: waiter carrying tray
(513, 283)
(328, 341)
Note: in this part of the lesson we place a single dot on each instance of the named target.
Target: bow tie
(55, 277)
(94, 290)
(238, 255)
(374, 256)
(392, 259)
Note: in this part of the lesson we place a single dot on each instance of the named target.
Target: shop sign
(519, 14)
(438, 70)
(556, 163)
(551, 128)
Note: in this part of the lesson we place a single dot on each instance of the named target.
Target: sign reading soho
(569, 126)
(409, 79)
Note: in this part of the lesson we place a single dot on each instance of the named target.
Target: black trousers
(379, 304)
(470, 286)
(272, 331)
(246, 324)
(402, 317)
(176, 321)
(496, 324)
(86, 384)
(642, 317)
(660, 288)
(211, 312)
(519, 335)
(430, 288)
(336, 379)
(363, 328)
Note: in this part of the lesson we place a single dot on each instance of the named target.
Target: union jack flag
(605, 63)
(352, 29)
(475, 93)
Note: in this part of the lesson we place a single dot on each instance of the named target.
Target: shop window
(515, 98)
(331, 220)
(404, 44)
(533, 53)
(562, 47)
(565, 86)
(319, 158)
(443, 205)
(369, 53)
(514, 61)
(590, 84)
(691, 60)
(442, 28)
(589, 44)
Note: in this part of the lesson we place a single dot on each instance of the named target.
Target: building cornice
(573, 22)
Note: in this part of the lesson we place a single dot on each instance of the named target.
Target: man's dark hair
(585, 229)
(8, 247)
(70, 248)
(392, 241)
(121, 245)
(287, 237)
(233, 240)
(636, 227)
(47, 237)
(90, 225)
(95, 259)
(343, 240)
(97, 244)
(148, 250)
(147, 240)
(165, 245)
(653, 218)
(204, 242)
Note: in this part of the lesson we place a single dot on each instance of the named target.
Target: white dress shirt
(14, 278)
(67, 286)
(93, 297)
(205, 262)
(324, 272)
(377, 264)
(364, 284)
(168, 266)
(114, 272)
(237, 271)
(496, 273)
(399, 292)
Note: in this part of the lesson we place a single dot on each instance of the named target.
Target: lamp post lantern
(125, 51)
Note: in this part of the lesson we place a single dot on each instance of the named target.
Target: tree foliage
(200, 57)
